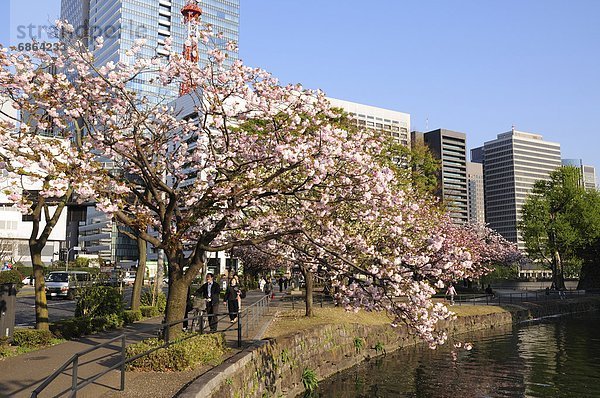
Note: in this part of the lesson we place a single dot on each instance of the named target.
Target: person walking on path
(233, 298)
(210, 291)
(268, 287)
(451, 292)
(261, 284)
(280, 284)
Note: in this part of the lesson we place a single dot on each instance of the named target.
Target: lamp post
(77, 248)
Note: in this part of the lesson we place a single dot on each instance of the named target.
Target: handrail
(74, 360)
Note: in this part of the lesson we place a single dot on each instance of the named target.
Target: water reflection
(557, 357)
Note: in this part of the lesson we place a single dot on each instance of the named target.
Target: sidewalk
(21, 375)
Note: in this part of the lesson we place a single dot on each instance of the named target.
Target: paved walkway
(19, 376)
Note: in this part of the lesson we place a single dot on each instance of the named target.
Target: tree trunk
(309, 280)
(41, 305)
(136, 293)
(176, 299)
(557, 271)
(158, 278)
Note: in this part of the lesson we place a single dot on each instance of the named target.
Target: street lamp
(78, 248)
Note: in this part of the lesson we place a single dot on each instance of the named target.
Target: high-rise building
(512, 163)
(588, 173)
(122, 22)
(450, 147)
(476, 193)
(386, 121)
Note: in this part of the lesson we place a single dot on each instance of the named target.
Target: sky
(475, 66)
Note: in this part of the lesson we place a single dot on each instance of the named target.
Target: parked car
(66, 283)
(129, 280)
(28, 280)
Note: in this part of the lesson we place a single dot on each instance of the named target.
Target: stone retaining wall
(273, 368)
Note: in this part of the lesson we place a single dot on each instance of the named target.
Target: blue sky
(476, 66)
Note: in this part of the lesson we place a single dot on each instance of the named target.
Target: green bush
(309, 380)
(149, 311)
(81, 326)
(161, 300)
(130, 316)
(97, 301)
(31, 338)
(24, 270)
(189, 351)
(11, 276)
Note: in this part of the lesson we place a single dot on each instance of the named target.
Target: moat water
(552, 357)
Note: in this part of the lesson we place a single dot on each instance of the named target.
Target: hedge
(149, 311)
(32, 338)
(130, 316)
(188, 352)
(80, 326)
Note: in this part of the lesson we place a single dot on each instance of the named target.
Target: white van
(66, 283)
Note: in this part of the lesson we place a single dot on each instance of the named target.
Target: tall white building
(394, 123)
(512, 163)
(15, 227)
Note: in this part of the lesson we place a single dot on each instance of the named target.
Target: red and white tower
(191, 17)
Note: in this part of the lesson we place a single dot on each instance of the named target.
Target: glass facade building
(588, 173)
(122, 22)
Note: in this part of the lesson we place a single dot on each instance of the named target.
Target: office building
(588, 173)
(476, 193)
(393, 123)
(121, 23)
(512, 163)
(16, 227)
(450, 147)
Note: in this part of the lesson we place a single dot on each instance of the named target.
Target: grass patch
(291, 321)
(471, 310)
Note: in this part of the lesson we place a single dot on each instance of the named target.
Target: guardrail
(509, 298)
(74, 360)
(251, 314)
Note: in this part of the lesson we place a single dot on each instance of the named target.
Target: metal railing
(510, 298)
(251, 315)
(74, 360)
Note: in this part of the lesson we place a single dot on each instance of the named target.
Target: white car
(129, 280)
(28, 280)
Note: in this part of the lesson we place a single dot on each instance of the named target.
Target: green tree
(556, 222)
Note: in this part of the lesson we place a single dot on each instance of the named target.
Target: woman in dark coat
(233, 299)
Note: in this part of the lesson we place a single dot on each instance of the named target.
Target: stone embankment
(274, 368)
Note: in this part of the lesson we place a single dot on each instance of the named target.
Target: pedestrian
(285, 283)
(268, 287)
(210, 291)
(280, 284)
(261, 284)
(451, 292)
(489, 291)
(233, 298)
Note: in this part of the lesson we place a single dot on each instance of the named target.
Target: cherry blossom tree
(41, 152)
(239, 161)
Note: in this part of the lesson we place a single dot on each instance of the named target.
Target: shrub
(358, 344)
(148, 311)
(130, 316)
(81, 326)
(11, 276)
(97, 301)
(185, 353)
(309, 380)
(31, 338)
(161, 300)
